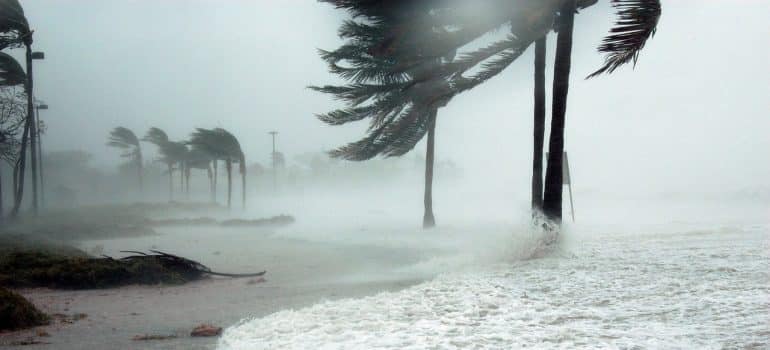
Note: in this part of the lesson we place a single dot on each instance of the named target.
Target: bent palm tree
(170, 152)
(125, 139)
(389, 52)
(11, 74)
(222, 145)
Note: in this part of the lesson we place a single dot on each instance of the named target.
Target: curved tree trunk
(187, 182)
(552, 199)
(243, 181)
(170, 182)
(539, 126)
(216, 177)
(18, 191)
(229, 168)
(428, 219)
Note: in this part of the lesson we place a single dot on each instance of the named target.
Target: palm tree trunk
(229, 168)
(243, 181)
(19, 170)
(216, 176)
(428, 220)
(539, 126)
(1, 198)
(552, 199)
(32, 129)
(140, 169)
(170, 182)
(211, 182)
(181, 177)
(187, 182)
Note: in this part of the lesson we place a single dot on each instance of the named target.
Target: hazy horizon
(683, 120)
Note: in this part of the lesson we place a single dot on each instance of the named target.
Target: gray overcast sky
(693, 114)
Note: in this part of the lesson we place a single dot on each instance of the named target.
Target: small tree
(125, 139)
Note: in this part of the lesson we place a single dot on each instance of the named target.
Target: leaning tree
(15, 32)
(220, 144)
(402, 47)
(12, 117)
(11, 75)
(125, 140)
(171, 153)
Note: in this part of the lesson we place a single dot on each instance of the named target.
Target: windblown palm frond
(11, 73)
(126, 140)
(637, 22)
(14, 29)
(156, 136)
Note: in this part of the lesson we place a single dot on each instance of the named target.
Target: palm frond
(637, 23)
(11, 72)
(156, 136)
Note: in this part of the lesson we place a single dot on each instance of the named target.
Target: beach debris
(145, 337)
(40, 269)
(16, 312)
(206, 330)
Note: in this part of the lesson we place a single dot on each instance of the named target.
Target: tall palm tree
(15, 32)
(552, 197)
(402, 108)
(389, 52)
(222, 145)
(125, 139)
(12, 118)
(11, 74)
(637, 23)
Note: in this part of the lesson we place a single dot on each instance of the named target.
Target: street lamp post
(32, 125)
(273, 133)
(38, 107)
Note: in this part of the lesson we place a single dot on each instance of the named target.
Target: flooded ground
(668, 288)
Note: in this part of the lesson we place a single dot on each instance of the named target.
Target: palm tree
(388, 41)
(222, 145)
(637, 22)
(126, 140)
(12, 118)
(199, 159)
(15, 32)
(402, 107)
(11, 74)
(171, 153)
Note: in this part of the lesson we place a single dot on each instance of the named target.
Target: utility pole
(32, 122)
(273, 133)
(40, 105)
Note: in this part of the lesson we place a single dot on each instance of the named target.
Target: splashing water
(691, 289)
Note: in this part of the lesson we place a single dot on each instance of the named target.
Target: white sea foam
(694, 289)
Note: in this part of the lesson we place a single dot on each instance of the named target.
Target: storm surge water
(689, 289)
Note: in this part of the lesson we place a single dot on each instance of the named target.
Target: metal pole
(40, 157)
(273, 133)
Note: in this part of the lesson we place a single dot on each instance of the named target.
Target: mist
(667, 160)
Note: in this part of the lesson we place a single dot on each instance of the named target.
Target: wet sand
(300, 273)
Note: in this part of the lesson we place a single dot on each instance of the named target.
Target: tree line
(19, 132)
(202, 151)
(403, 60)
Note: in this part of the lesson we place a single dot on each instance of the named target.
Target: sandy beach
(300, 273)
